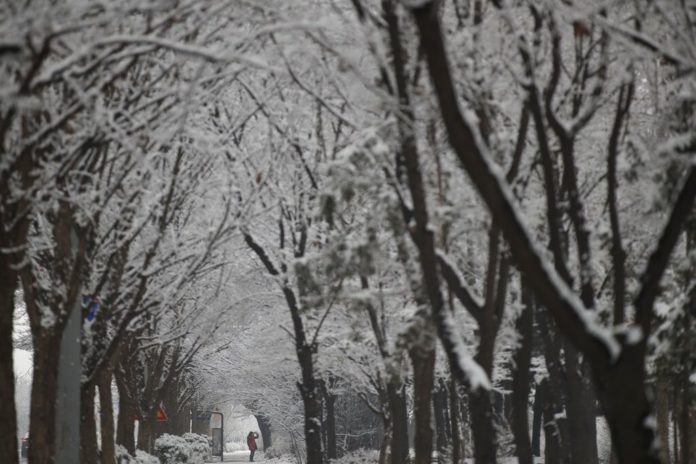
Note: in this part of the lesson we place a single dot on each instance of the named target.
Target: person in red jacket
(251, 443)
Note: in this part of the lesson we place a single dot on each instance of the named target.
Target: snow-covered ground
(243, 456)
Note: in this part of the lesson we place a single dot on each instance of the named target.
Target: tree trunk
(42, 428)
(399, 420)
(536, 421)
(106, 416)
(183, 420)
(88, 426)
(265, 429)
(145, 433)
(692, 435)
(125, 427)
(581, 410)
(552, 436)
(625, 404)
(483, 430)
(8, 424)
(482, 402)
(423, 360)
(457, 435)
(311, 397)
(554, 386)
(330, 401)
(684, 417)
(440, 411)
(662, 414)
(675, 425)
(384, 456)
(520, 382)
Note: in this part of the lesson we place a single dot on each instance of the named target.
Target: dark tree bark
(662, 413)
(483, 429)
(692, 435)
(386, 392)
(14, 227)
(329, 403)
(88, 426)
(106, 416)
(458, 441)
(684, 417)
(312, 405)
(66, 262)
(489, 316)
(183, 420)
(177, 407)
(125, 427)
(146, 431)
(675, 425)
(536, 421)
(399, 424)
(552, 450)
(265, 429)
(8, 425)
(423, 359)
(521, 379)
(441, 419)
(42, 429)
(555, 387)
(580, 408)
(384, 448)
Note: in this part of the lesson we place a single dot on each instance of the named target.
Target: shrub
(272, 453)
(141, 457)
(200, 446)
(189, 449)
(172, 449)
(361, 456)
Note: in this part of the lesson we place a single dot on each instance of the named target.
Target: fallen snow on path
(243, 456)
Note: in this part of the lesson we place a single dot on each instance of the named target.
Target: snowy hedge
(141, 457)
(200, 445)
(271, 453)
(361, 456)
(188, 449)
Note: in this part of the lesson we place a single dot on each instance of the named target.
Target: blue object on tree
(88, 301)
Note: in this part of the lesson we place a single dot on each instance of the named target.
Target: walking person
(251, 443)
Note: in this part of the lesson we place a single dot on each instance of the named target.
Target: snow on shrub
(141, 457)
(201, 447)
(283, 459)
(361, 456)
(189, 449)
(272, 453)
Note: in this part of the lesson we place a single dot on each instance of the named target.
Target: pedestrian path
(239, 456)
